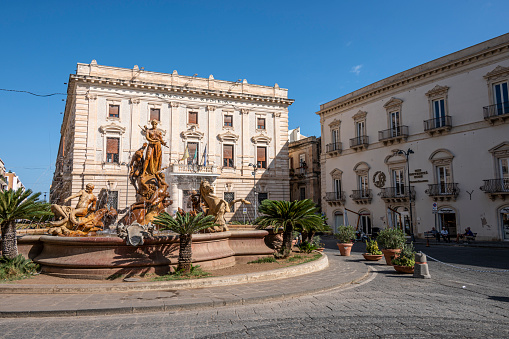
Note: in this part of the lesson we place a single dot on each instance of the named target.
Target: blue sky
(319, 50)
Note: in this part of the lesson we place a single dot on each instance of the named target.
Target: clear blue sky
(319, 50)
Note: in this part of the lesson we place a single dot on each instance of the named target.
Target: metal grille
(113, 199)
(229, 197)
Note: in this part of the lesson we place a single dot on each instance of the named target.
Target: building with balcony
(3, 178)
(225, 127)
(304, 167)
(434, 135)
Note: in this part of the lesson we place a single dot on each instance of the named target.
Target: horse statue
(213, 205)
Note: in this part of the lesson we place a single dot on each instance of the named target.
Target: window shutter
(260, 154)
(114, 110)
(193, 117)
(228, 151)
(112, 145)
(228, 120)
(155, 114)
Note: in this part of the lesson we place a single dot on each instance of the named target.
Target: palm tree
(17, 205)
(288, 215)
(185, 224)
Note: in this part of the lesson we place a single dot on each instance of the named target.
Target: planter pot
(389, 253)
(372, 257)
(345, 248)
(320, 249)
(404, 269)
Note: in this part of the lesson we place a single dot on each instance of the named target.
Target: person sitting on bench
(435, 233)
(468, 233)
(445, 234)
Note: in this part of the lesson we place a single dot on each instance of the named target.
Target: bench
(470, 238)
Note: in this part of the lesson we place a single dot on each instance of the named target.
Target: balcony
(396, 134)
(496, 113)
(190, 169)
(397, 194)
(362, 196)
(335, 198)
(438, 125)
(496, 188)
(359, 143)
(334, 148)
(441, 192)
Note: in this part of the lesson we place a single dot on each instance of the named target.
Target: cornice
(112, 128)
(361, 115)
(393, 103)
(437, 91)
(228, 135)
(498, 71)
(335, 123)
(400, 80)
(136, 84)
(192, 133)
(261, 138)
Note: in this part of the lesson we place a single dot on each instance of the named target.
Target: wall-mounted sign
(446, 211)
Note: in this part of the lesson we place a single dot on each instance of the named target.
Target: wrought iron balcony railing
(438, 123)
(361, 194)
(397, 192)
(363, 140)
(335, 196)
(399, 132)
(496, 186)
(496, 110)
(333, 147)
(436, 190)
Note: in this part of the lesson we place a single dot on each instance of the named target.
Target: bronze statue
(86, 204)
(152, 164)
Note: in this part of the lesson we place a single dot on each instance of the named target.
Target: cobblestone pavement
(454, 303)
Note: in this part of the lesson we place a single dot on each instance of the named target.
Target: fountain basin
(103, 257)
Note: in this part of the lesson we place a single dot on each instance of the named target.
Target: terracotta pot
(345, 248)
(388, 253)
(404, 269)
(320, 249)
(372, 257)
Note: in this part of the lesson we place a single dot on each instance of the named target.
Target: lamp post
(255, 167)
(407, 154)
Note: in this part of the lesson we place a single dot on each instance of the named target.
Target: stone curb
(280, 273)
(173, 308)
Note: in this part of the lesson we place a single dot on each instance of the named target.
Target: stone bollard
(421, 266)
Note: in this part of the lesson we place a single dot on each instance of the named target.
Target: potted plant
(405, 261)
(391, 240)
(345, 235)
(317, 241)
(373, 253)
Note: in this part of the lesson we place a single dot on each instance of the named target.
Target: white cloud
(356, 69)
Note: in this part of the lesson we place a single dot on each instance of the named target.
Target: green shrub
(263, 260)
(307, 247)
(372, 247)
(196, 272)
(345, 234)
(391, 238)
(406, 257)
(16, 268)
(317, 241)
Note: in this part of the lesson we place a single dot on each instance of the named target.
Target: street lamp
(255, 167)
(406, 154)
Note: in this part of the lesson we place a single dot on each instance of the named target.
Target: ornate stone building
(425, 147)
(304, 167)
(215, 130)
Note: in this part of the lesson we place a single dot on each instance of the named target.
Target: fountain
(78, 247)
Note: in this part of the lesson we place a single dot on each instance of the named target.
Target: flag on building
(186, 154)
(195, 155)
(205, 156)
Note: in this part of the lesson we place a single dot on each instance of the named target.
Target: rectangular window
(228, 156)
(229, 197)
(337, 188)
(364, 185)
(114, 111)
(302, 191)
(112, 200)
(261, 157)
(112, 147)
(228, 120)
(501, 97)
(302, 163)
(193, 152)
(193, 118)
(398, 181)
(262, 197)
(365, 224)
(155, 114)
(439, 112)
(444, 178)
(359, 128)
(335, 139)
(260, 123)
(395, 124)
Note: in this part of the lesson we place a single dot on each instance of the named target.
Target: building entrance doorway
(504, 222)
(447, 218)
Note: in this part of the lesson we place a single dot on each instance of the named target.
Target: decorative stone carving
(336, 123)
(90, 96)
(244, 111)
(379, 179)
(336, 173)
(228, 136)
(393, 104)
(261, 138)
(437, 91)
(112, 128)
(192, 133)
(135, 233)
(174, 104)
(211, 108)
(499, 71)
(361, 115)
(134, 101)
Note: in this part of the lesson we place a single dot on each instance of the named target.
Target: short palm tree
(185, 224)
(288, 215)
(17, 205)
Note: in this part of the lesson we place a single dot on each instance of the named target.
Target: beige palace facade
(226, 127)
(425, 147)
